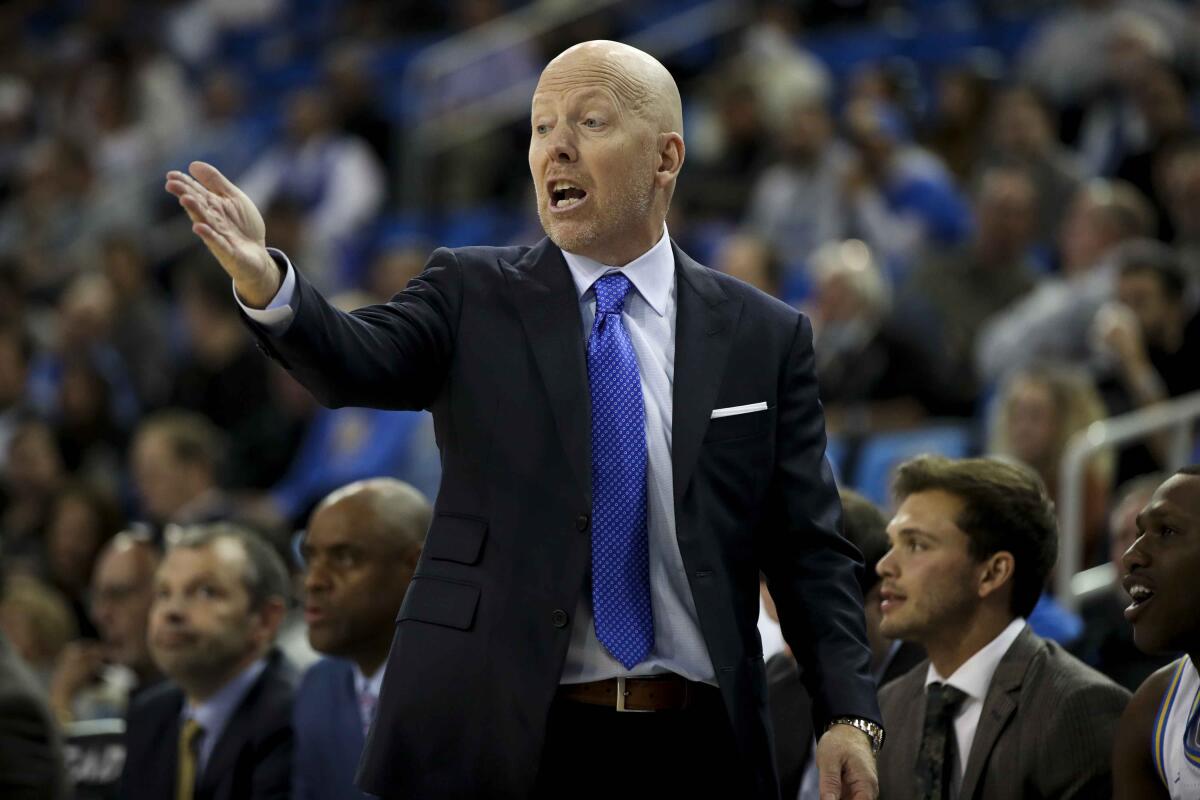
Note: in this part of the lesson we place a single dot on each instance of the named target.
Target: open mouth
(564, 195)
(1141, 595)
(889, 601)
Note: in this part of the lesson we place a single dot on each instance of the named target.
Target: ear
(997, 572)
(670, 158)
(270, 618)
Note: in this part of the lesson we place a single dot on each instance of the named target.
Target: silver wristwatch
(874, 732)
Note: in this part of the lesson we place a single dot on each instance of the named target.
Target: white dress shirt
(649, 319)
(974, 678)
(213, 714)
(370, 685)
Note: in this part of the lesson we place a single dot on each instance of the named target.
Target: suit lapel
(998, 708)
(703, 312)
(548, 304)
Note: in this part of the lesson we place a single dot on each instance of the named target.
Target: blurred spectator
(962, 95)
(82, 520)
(1153, 341)
(951, 294)
(731, 149)
(139, 331)
(1054, 321)
(333, 177)
(1062, 59)
(220, 726)
(175, 457)
(225, 378)
(221, 134)
(1022, 135)
(16, 129)
(360, 549)
(37, 621)
(31, 759)
(95, 679)
(1107, 642)
(1164, 105)
(797, 203)
(52, 225)
(1039, 409)
(871, 378)
(1114, 123)
(750, 259)
(392, 269)
(16, 351)
(1179, 186)
(349, 86)
(789, 702)
(32, 476)
(901, 196)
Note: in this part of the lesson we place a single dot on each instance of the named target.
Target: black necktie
(936, 756)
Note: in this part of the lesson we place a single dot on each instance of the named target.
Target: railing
(1177, 416)
(435, 134)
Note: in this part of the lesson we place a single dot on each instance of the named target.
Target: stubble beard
(631, 204)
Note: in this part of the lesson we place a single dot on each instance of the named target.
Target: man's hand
(846, 765)
(229, 224)
(77, 666)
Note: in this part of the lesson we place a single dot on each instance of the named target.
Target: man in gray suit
(995, 712)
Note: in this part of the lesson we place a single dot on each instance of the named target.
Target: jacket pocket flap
(737, 426)
(441, 602)
(457, 538)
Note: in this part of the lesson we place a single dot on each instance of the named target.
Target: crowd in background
(1004, 237)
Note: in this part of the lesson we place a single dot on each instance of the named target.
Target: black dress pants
(599, 752)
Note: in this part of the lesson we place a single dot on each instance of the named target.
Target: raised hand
(231, 227)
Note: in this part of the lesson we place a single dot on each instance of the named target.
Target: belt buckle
(621, 692)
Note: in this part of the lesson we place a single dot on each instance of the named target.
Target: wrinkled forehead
(577, 76)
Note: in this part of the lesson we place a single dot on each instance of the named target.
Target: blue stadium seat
(881, 453)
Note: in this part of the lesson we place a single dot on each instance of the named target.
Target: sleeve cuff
(278, 314)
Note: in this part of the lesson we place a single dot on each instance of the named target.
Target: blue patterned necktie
(620, 550)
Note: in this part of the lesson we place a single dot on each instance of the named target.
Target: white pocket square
(732, 410)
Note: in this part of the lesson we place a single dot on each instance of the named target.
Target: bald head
(360, 551)
(605, 150)
(637, 78)
(392, 508)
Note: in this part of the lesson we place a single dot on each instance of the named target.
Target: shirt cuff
(277, 316)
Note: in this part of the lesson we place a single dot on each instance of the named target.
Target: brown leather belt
(651, 693)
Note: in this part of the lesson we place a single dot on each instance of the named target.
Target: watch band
(873, 731)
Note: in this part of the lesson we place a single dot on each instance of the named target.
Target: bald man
(627, 438)
(360, 551)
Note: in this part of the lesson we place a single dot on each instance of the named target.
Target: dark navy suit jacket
(329, 735)
(490, 340)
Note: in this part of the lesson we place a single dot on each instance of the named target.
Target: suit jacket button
(559, 618)
(582, 522)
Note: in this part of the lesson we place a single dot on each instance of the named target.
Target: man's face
(1006, 210)
(1161, 569)
(929, 576)
(355, 576)
(163, 484)
(1145, 296)
(201, 625)
(122, 592)
(592, 158)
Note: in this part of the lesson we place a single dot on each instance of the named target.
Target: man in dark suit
(360, 550)
(220, 727)
(604, 509)
(31, 757)
(996, 712)
(865, 527)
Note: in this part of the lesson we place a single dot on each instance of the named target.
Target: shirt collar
(975, 675)
(214, 713)
(651, 273)
(369, 683)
